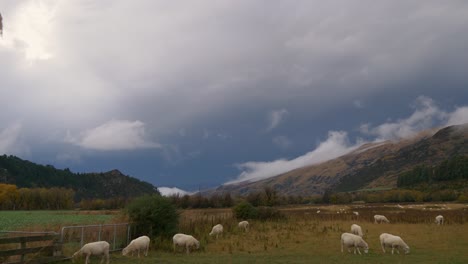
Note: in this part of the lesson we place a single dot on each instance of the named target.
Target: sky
(189, 95)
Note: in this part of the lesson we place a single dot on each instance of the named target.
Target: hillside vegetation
(111, 184)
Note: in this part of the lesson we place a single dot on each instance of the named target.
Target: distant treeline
(453, 169)
(12, 198)
(266, 197)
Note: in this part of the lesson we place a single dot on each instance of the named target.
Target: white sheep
(357, 230)
(439, 220)
(137, 244)
(351, 240)
(380, 218)
(244, 225)
(93, 248)
(186, 241)
(217, 230)
(356, 213)
(395, 242)
(318, 211)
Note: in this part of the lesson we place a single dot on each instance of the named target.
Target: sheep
(137, 244)
(439, 220)
(357, 230)
(388, 240)
(352, 240)
(318, 211)
(244, 225)
(356, 213)
(93, 248)
(217, 229)
(186, 241)
(380, 218)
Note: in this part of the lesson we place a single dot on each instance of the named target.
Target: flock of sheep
(142, 244)
(354, 238)
(348, 240)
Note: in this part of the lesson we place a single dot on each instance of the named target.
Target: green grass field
(50, 220)
(307, 237)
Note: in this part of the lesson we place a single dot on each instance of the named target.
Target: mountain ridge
(371, 165)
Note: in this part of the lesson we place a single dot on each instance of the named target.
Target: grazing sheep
(351, 240)
(244, 225)
(380, 218)
(137, 244)
(439, 220)
(357, 230)
(356, 213)
(395, 242)
(186, 241)
(318, 211)
(93, 248)
(217, 229)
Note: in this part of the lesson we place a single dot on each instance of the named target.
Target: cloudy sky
(194, 94)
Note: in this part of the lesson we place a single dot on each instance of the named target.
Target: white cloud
(282, 142)
(114, 135)
(168, 191)
(275, 117)
(459, 116)
(9, 138)
(335, 145)
(426, 115)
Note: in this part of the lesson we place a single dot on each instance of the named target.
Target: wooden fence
(46, 248)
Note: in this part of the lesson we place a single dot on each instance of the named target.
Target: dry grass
(307, 237)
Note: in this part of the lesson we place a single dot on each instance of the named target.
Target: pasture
(51, 220)
(305, 236)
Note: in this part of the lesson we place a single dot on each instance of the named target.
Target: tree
(153, 215)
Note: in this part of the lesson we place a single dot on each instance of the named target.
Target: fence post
(23, 246)
(128, 234)
(115, 234)
(100, 230)
(82, 235)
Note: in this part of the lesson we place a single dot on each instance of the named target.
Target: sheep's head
(365, 246)
(407, 250)
(75, 256)
(197, 244)
(125, 252)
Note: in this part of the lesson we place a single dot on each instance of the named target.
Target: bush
(245, 210)
(153, 215)
(269, 213)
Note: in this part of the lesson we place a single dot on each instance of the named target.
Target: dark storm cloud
(155, 68)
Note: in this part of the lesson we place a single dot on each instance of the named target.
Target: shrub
(153, 215)
(269, 213)
(245, 210)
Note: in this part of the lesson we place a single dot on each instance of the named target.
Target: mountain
(111, 184)
(373, 165)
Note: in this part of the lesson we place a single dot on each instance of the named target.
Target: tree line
(13, 198)
(455, 168)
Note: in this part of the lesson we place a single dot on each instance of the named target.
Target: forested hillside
(111, 184)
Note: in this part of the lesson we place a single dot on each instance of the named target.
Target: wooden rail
(49, 253)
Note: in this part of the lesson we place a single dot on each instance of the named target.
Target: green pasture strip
(24, 220)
